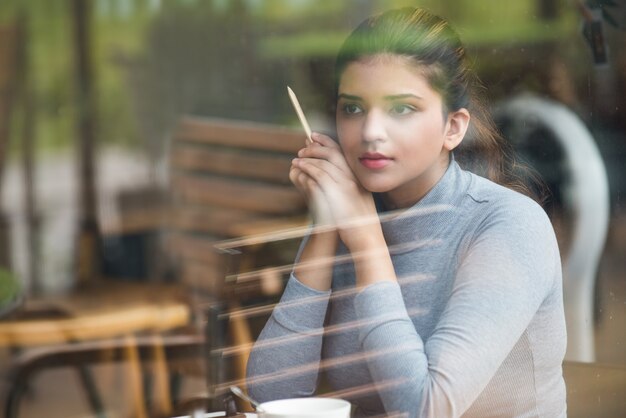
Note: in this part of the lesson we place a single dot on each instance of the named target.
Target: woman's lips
(374, 160)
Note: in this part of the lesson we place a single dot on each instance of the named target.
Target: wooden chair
(96, 317)
(229, 180)
(161, 358)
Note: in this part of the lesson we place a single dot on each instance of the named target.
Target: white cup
(306, 408)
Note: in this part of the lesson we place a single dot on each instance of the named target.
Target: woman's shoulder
(491, 196)
(508, 222)
(497, 206)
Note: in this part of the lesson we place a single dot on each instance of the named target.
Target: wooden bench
(230, 180)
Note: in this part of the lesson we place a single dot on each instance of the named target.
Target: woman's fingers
(294, 174)
(303, 181)
(333, 193)
(299, 179)
(316, 150)
(333, 155)
(323, 171)
(314, 195)
(324, 140)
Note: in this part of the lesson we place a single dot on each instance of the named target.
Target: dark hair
(436, 49)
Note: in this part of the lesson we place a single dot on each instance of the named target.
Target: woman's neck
(413, 191)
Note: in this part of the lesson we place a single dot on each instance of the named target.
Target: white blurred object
(305, 408)
(588, 198)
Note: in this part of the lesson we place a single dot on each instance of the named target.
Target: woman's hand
(318, 206)
(335, 195)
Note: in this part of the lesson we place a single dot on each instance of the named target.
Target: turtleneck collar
(426, 220)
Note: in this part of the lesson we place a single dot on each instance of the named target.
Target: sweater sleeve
(500, 283)
(284, 361)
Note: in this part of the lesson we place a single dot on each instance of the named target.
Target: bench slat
(273, 168)
(227, 193)
(240, 134)
(193, 248)
(198, 275)
(213, 221)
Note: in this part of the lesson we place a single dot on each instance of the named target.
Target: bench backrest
(228, 179)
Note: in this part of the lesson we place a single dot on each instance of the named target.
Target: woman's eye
(352, 109)
(401, 109)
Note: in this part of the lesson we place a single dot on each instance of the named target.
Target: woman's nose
(374, 127)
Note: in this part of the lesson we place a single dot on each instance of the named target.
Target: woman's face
(392, 129)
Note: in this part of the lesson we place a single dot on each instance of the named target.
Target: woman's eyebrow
(403, 96)
(349, 97)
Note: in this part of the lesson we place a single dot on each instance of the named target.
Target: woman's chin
(376, 186)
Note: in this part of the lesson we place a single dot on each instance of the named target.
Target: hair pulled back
(437, 51)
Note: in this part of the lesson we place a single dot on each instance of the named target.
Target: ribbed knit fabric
(474, 327)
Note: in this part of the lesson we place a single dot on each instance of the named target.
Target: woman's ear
(456, 126)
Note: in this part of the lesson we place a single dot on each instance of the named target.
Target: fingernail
(300, 153)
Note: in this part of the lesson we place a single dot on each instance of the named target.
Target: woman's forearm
(314, 267)
(372, 262)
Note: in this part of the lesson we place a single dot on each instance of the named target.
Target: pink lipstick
(374, 160)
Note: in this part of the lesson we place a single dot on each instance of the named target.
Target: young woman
(443, 297)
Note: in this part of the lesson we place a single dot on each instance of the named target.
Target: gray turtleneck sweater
(474, 326)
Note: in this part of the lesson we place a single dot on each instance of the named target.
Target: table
(101, 311)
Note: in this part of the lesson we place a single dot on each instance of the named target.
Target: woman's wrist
(314, 269)
(372, 262)
(373, 266)
(363, 238)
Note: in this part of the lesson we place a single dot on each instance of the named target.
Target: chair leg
(84, 374)
(215, 335)
(160, 380)
(241, 336)
(176, 384)
(134, 378)
(14, 398)
(91, 390)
